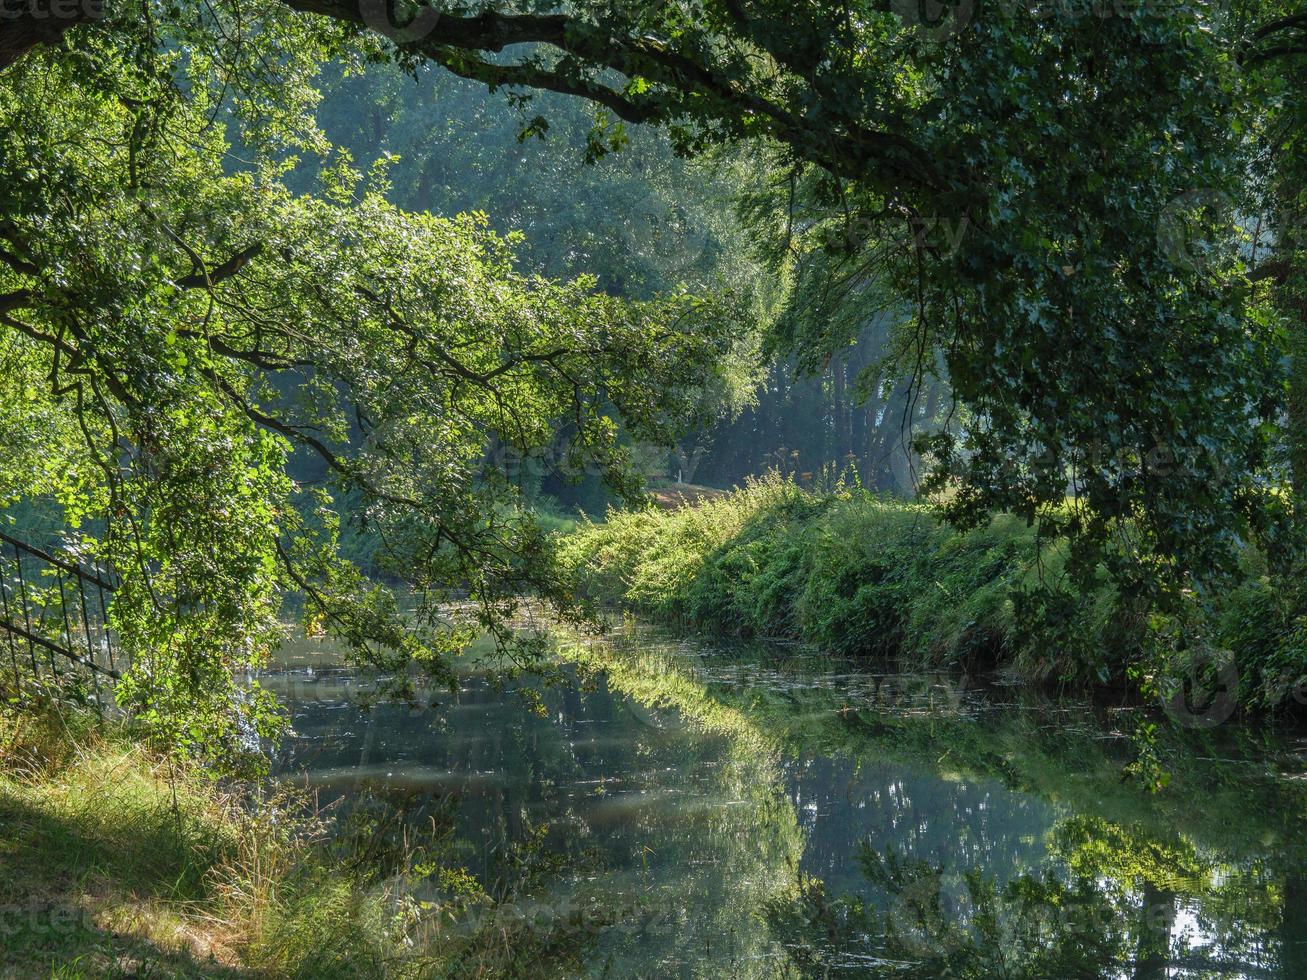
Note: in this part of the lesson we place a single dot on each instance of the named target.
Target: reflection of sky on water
(953, 824)
(649, 811)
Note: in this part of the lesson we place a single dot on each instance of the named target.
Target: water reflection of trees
(671, 815)
(605, 834)
(1006, 843)
(1108, 904)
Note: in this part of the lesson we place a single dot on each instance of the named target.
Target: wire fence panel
(54, 624)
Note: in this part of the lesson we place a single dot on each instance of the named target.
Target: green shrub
(853, 573)
(860, 575)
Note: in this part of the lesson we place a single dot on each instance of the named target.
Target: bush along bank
(860, 575)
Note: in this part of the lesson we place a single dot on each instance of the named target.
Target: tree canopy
(179, 324)
(1058, 212)
(1095, 314)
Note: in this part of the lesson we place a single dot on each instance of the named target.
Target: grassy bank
(113, 863)
(860, 575)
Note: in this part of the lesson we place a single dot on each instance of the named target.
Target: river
(671, 808)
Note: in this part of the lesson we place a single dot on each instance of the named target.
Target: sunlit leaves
(185, 335)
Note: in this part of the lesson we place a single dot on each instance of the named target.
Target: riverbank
(115, 863)
(662, 806)
(864, 576)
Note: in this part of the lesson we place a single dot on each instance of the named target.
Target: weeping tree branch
(300, 437)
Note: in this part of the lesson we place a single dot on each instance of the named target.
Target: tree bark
(843, 416)
(1291, 296)
(26, 24)
(1297, 410)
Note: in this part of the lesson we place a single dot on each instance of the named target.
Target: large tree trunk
(1297, 409)
(1291, 296)
(886, 457)
(26, 24)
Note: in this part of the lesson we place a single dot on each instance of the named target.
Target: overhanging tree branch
(299, 436)
(688, 85)
(839, 144)
(211, 277)
(1283, 23)
(1287, 36)
(26, 24)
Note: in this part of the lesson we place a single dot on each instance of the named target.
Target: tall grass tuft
(113, 862)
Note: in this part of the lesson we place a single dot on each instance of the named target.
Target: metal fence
(54, 625)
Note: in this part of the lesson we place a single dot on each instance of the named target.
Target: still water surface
(669, 809)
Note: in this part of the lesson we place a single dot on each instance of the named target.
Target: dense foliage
(179, 323)
(641, 221)
(1051, 220)
(1033, 191)
(1064, 146)
(866, 576)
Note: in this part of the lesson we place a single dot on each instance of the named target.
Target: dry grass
(114, 863)
(101, 872)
